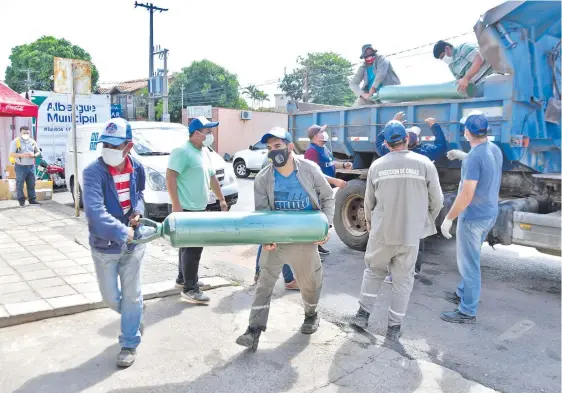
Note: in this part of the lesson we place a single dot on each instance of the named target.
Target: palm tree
(252, 92)
(262, 96)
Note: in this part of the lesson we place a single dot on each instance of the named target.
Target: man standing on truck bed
(293, 184)
(320, 154)
(188, 178)
(402, 200)
(375, 72)
(465, 62)
(476, 207)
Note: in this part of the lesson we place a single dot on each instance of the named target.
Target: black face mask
(278, 157)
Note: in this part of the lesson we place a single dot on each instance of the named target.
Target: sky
(256, 40)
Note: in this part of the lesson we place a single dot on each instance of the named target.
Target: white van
(154, 142)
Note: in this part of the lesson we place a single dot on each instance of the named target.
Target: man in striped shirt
(465, 62)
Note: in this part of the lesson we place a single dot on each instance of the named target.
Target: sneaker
(179, 283)
(457, 317)
(393, 333)
(34, 203)
(310, 324)
(126, 357)
(22, 204)
(361, 319)
(388, 279)
(452, 297)
(323, 251)
(203, 287)
(250, 339)
(195, 297)
(292, 286)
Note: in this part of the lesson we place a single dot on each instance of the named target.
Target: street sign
(196, 111)
(65, 69)
(115, 110)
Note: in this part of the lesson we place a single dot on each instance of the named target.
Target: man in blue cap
(402, 200)
(288, 184)
(188, 178)
(476, 207)
(113, 202)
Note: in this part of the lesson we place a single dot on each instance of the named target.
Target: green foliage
(327, 74)
(256, 95)
(205, 83)
(38, 57)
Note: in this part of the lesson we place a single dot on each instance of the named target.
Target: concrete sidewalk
(45, 272)
(192, 349)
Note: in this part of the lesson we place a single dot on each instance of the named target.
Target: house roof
(128, 86)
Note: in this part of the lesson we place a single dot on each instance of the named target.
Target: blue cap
(201, 122)
(277, 132)
(394, 131)
(116, 131)
(477, 124)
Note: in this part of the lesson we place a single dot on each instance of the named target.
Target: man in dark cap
(465, 62)
(375, 72)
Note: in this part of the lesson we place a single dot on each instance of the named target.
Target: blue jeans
(25, 174)
(127, 301)
(287, 272)
(470, 237)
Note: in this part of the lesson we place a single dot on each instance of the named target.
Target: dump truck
(521, 40)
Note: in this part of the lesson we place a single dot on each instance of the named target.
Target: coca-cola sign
(17, 108)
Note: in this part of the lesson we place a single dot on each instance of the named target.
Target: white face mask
(25, 137)
(324, 137)
(447, 59)
(112, 157)
(209, 139)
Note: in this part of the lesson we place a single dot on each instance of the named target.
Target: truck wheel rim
(353, 215)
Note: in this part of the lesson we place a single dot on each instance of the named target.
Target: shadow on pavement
(77, 379)
(267, 370)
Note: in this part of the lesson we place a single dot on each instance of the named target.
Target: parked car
(154, 142)
(249, 161)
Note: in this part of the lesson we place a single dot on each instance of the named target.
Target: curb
(19, 313)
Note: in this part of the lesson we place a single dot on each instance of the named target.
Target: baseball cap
(414, 129)
(316, 129)
(413, 139)
(116, 131)
(394, 131)
(477, 124)
(277, 132)
(201, 122)
(364, 49)
(474, 112)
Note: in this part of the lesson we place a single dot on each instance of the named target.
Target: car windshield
(259, 146)
(157, 141)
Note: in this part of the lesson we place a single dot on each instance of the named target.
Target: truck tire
(240, 169)
(349, 217)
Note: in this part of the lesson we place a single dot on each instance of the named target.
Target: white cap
(474, 112)
(415, 129)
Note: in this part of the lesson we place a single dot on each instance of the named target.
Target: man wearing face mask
(113, 201)
(189, 177)
(23, 151)
(375, 72)
(289, 184)
(465, 62)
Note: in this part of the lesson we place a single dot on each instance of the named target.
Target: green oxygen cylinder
(404, 93)
(193, 229)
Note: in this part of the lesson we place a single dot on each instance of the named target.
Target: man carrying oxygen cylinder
(289, 184)
(113, 202)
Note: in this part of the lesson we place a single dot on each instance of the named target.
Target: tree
(205, 83)
(252, 92)
(262, 96)
(327, 76)
(38, 57)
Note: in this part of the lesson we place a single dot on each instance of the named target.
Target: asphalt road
(514, 345)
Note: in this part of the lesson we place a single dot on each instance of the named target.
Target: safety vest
(18, 149)
(326, 163)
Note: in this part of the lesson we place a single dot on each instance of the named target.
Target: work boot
(361, 319)
(195, 297)
(310, 324)
(452, 297)
(393, 333)
(323, 251)
(457, 317)
(250, 339)
(292, 286)
(126, 357)
(34, 203)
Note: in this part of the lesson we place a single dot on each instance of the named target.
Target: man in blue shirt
(476, 207)
(288, 184)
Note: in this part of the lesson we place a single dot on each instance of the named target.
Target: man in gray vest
(23, 151)
(402, 200)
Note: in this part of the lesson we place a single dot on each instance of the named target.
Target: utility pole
(151, 8)
(28, 81)
(182, 97)
(305, 95)
(163, 54)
